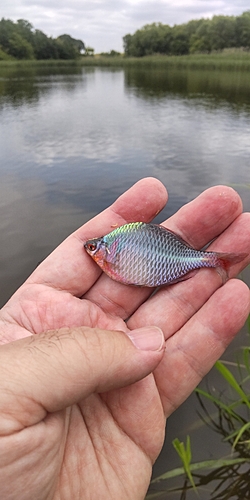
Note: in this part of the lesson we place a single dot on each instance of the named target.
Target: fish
(150, 255)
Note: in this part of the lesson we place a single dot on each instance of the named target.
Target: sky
(101, 24)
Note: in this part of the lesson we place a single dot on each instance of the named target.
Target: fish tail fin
(226, 260)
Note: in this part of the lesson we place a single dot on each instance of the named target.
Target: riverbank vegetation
(227, 60)
(21, 41)
(201, 35)
(231, 59)
(220, 43)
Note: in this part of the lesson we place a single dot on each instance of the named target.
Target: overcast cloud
(101, 24)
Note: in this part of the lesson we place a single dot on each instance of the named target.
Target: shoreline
(226, 60)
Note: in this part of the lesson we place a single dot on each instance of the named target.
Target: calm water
(71, 142)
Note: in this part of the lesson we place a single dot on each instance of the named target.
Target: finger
(69, 268)
(192, 352)
(198, 222)
(172, 306)
(51, 371)
(207, 216)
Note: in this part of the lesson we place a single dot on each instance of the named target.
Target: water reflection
(25, 85)
(219, 87)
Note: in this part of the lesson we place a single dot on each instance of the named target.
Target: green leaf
(219, 403)
(240, 433)
(228, 376)
(206, 464)
(185, 455)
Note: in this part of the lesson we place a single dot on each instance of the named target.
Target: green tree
(70, 47)
(127, 44)
(138, 47)
(192, 26)
(44, 47)
(242, 29)
(202, 35)
(20, 48)
(4, 56)
(166, 40)
(153, 38)
(7, 30)
(25, 30)
(21, 41)
(222, 32)
(200, 40)
(112, 53)
(180, 41)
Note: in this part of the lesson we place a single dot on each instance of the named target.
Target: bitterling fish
(150, 255)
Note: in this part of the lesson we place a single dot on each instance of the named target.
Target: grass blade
(206, 464)
(228, 376)
(243, 429)
(219, 403)
(185, 455)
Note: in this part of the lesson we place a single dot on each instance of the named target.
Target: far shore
(225, 60)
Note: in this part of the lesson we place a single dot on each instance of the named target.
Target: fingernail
(148, 338)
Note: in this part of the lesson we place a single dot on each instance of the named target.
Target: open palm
(104, 445)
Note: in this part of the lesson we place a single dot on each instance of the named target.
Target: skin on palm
(75, 432)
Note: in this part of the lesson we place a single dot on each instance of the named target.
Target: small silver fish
(150, 255)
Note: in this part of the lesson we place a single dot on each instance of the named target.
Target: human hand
(76, 421)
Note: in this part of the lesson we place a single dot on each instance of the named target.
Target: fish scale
(136, 266)
(151, 255)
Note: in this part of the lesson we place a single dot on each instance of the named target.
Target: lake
(73, 139)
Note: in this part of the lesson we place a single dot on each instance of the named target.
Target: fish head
(97, 249)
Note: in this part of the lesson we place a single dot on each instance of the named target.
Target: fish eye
(92, 246)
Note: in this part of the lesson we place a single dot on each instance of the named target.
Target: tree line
(21, 41)
(202, 35)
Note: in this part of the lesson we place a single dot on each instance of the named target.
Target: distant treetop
(21, 41)
(202, 35)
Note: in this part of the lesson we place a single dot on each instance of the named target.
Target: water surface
(72, 140)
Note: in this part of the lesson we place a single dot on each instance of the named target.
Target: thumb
(51, 371)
